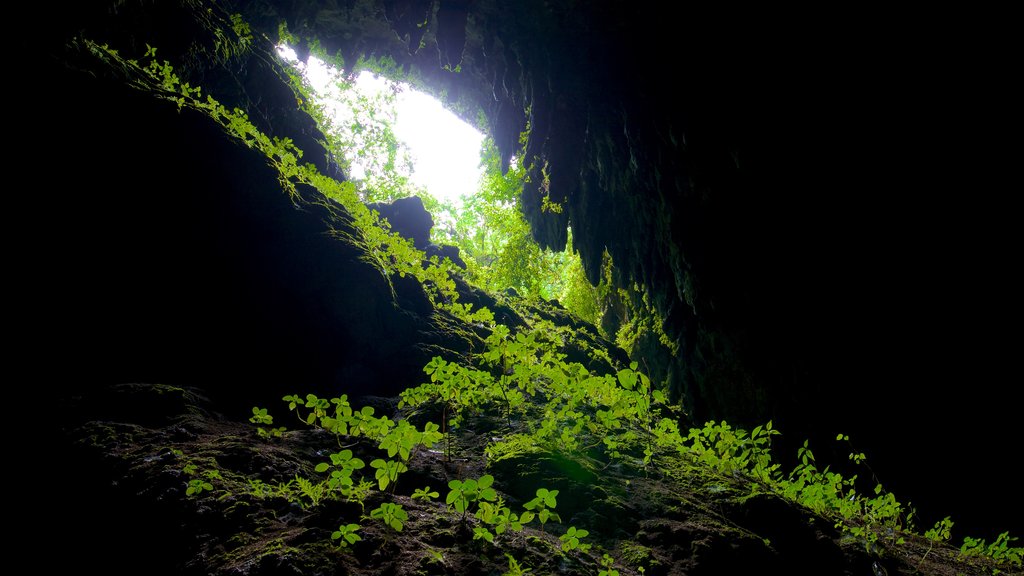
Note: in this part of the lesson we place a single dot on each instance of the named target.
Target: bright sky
(445, 150)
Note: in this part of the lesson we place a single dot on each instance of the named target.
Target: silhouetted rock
(445, 251)
(408, 218)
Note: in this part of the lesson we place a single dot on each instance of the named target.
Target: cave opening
(395, 141)
(394, 138)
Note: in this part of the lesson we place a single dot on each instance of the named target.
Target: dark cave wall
(163, 251)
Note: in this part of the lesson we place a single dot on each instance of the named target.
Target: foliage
(498, 246)
(425, 494)
(197, 486)
(392, 515)
(387, 471)
(360, 132)
(260, 416)
(608, 566)
(643, 321)
(514, 568)
(571, 540)
(499, 516)
(999, 550)
(313, 492)
(346, 534)
(542, 507)
(939, 533)
(464, 493)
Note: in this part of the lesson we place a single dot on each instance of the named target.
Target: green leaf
(322, 467)
(549, 499)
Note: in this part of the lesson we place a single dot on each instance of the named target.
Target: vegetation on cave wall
(523, 378)
(255, 117)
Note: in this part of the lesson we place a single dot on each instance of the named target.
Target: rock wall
(163, 251)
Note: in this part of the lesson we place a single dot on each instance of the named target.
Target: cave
(818, 208)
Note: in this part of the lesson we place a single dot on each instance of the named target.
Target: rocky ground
(133, 449)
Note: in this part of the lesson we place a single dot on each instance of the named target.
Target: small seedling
(463, 494)
(391, 515)
(541, 507)
(425, 494)
(346, 534)
(197, 486)
(571, 540)
(260, 416)
(387, 471)
(514, 568)
(481, 533)
(607, 567)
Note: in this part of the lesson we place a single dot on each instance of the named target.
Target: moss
(637, 555)
(511, 446)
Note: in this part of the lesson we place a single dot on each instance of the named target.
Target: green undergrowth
(542, 403)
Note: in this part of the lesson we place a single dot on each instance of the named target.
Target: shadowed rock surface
(685, 523)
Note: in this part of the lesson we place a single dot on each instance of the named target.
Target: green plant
(260, 416)
(314, 493)
(541, 506)
(341, 478)
(401, 440)
(359, 492)
(607, 566)
(499, 516)
(425, 494)
(392, 515)
(1000, 550)
(635, 554)
(936, 535)
(514, 568)
(259, 488)
(197, 486)
(571, 540)
(464, 493)
(285, 490)
(387, 471)
(346, 534)
(482, 533)
(435, 556)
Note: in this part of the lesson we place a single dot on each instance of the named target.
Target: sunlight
(445, 150)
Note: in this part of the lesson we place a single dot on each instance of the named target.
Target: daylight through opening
(394, 142)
